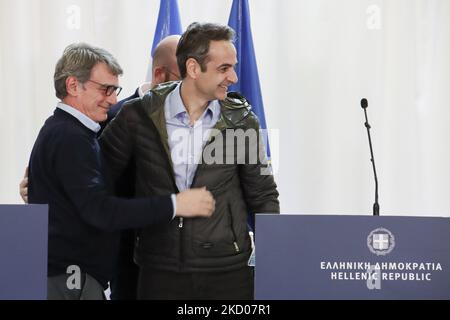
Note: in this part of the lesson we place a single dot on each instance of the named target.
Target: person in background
(164, 69)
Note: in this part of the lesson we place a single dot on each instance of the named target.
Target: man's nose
(112, 99)
(233, 78)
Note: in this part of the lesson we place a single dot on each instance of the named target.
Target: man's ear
(159, 75)
(192, 68)
(72, 86)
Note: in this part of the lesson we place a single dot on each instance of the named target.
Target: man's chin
(101, 118)
(222, 95)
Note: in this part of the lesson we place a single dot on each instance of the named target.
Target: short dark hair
(78, 60)
(194, 43)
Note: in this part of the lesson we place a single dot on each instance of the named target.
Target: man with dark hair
(170, 136)
(66, 172)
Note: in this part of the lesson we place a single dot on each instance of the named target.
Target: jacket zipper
(236, 246)
(180, 245)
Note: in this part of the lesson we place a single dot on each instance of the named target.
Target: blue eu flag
(246, 69)
(169, 23)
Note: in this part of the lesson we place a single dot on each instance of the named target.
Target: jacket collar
(177, 106)
(233, 111)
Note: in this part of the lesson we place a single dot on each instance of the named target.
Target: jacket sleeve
(117, 143)
(259, 187)
(78, 166)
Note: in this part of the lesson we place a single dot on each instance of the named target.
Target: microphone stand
(376, 206)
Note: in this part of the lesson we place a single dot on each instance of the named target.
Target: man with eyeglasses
(164, 68)
(66, 172)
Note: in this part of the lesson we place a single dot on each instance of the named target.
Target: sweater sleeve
(78, 165)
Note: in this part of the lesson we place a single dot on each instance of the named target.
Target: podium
(304, 257)
(23, 252)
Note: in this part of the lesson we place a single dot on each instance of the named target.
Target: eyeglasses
(177, 76)
(108, 88)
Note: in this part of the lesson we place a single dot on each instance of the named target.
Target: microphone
(376, 206)
(364, 103)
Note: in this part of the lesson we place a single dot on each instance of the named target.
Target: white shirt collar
(175, 104)
(84, 119)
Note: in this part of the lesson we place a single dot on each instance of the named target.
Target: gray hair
(77, 60)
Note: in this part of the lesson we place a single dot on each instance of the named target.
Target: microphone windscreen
(364, 103)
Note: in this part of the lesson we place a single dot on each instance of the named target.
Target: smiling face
(213, 83)
(93, 99)
(90, 97)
